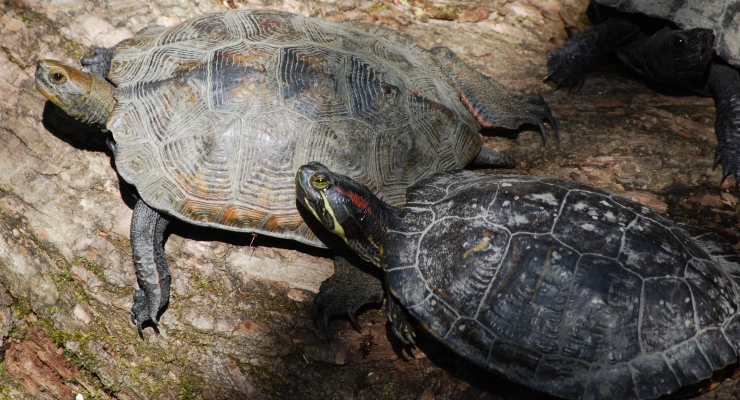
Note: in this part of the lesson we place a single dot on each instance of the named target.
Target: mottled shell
(216, 114)
(722, 16)
(563, 286)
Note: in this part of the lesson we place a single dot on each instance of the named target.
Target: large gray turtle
(212, 117)
(552, 283)
(681, 58)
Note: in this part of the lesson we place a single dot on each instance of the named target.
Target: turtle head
(678, 57)
(85, 96)
(345, 207)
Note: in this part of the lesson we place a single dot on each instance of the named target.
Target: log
(239, 324)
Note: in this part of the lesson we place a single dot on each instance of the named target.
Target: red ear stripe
(359, 201)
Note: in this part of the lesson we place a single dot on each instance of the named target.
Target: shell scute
(458, 259)
(713, 293)
(271, 26)
(688, 363)
(715, 347)
(521, 362)
(667, 314)
(592, 223)
(415, 220)
(601, 321)
(239, 81)
(651, 250)
(610, 382)
(530, 207)
(731, 329)
(399, 249)
(653, 376)
(528, 298)
(565, 374)
(467, 204)
(470, 339)
(441, 315)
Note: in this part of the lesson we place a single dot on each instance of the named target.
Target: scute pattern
(572, 290)
(214, 115)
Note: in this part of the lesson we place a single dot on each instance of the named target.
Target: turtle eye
(319, 182)
(57, 77)
(678, 42)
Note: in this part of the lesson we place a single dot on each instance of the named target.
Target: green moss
(20, 308)
(376, 8)
(190, 387)
(388, 388)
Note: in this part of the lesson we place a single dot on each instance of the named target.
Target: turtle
(682, 58)
(208, 120)
(552, 283)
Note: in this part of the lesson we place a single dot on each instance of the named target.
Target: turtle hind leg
(99, 62)
(492, 104)
(489, 158)
(724, 84)
(399, 322)
(152, 271)
(345, 292)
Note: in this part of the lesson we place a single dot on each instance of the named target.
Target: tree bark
(239, 324)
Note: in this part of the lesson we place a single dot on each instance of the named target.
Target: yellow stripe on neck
(338, 230)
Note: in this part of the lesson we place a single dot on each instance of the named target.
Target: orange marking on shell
(478, 118)
(359, 201)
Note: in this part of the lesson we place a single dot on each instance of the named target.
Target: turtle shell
(722, 16)
(214, 115)
(563, 286)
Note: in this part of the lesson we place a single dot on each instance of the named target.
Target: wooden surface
(239, 325)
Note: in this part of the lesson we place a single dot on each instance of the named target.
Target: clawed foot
(564, 70)
(729, 157)
(344, 293)
(724, 82)
(539, 112)
(144, 310)
(400, 325)
(99, 62)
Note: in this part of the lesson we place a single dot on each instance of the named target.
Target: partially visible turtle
(211, 118)
(669, 57)
(552, 283)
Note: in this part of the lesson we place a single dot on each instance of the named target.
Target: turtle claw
(99, 62)
(399, 323)
(111, 145)
(543, 133)
(344, 293)
(141, 312)
(353, 321)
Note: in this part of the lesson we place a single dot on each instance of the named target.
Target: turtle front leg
(724, 83)
(348, 289)
(99, 62)
(152, 271)
(492, 104)
(568, 64)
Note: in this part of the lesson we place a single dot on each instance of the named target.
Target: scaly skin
(344, 293)
(724, 83)
(152, 271)
(655, 58)
(492, 104)
(567, 65)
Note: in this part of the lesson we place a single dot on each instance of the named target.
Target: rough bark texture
(239, 325)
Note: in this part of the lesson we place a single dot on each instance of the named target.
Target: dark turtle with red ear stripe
(212, 116)
(552, 283)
